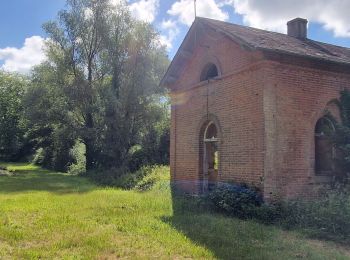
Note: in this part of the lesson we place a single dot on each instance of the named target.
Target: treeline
(96, 101)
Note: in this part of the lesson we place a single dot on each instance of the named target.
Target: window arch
(211, 132)
(209, 155)
(209, 71)
(324, 147)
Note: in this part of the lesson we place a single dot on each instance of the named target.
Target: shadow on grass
(225, 237)
(232, 238)
(37, 179)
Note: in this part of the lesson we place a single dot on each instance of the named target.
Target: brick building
(253, 106)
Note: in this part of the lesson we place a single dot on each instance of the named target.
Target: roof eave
(267, 50)
(169, 79)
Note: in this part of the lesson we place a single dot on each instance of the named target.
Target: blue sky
(22, 37)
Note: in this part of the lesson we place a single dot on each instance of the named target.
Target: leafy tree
(132, 103)
(77, 50)
(100, 85)
(342, 138)
(12, 124)
(49, 121)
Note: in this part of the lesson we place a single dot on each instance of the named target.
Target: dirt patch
(5, 172)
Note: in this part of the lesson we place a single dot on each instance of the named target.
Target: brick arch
(209, 71)
(207, 119)
(330, 111)
(324, 146)
(205, 61)
(333, 107)
(203, 125)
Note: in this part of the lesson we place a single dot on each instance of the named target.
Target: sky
(22, 37)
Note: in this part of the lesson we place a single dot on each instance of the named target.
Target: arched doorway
(324, 147)
(209, 156)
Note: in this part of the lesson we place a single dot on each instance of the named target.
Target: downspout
(174, 107)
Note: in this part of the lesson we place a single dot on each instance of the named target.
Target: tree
(12, 125)
(77, 50)
(49, 120)
(342, 139)
(132, 102)
(99, 85)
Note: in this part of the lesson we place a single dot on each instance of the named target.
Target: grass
(51, 215)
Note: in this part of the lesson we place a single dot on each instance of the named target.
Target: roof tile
(266, 40)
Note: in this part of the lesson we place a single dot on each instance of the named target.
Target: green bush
(114, 177)
(237, 200)
(38, 157)
(143, 179)
(78, 166)
(152, 175)
(326, 217)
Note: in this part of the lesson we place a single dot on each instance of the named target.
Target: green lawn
(53, 215)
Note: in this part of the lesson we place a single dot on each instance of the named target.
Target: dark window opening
(211, 132)
(324, 147)
(210, 71)
(211, 157)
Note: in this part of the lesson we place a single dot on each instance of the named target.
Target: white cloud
(23, 59)
(273, 14)
(171, 31)
(145, 10)
(184, 10)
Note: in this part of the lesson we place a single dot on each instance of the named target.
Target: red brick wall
(266, 112)
(234, 101)
(298, 97)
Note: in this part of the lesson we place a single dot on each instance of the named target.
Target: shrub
(110, 177)
(143, 179)
(270, 213)
(79, 160)
(326, 217)
(38, 157)
(152, 175)
(237, 200)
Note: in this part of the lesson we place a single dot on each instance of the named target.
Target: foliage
(78, 165)
(342, 138)
(151, 176)
(12, 123)
(99, 86)
(327, 217)
(38, 157)
(49, 122)
(143, 179)
(155, 142)
(236, 200)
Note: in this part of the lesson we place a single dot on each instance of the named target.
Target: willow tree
(108, 67)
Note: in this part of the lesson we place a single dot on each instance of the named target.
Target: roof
(257, 39)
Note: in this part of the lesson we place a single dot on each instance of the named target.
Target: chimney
(297, 28)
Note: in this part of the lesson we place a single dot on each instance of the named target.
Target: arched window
(209, 71)
(211, 132)
(324, 147)
(209, 156)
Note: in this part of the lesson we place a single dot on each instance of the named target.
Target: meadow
(51, 215)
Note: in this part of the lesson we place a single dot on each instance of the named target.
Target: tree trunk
(89, 124)
(89, 143)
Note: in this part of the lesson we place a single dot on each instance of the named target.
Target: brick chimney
(297, 28)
